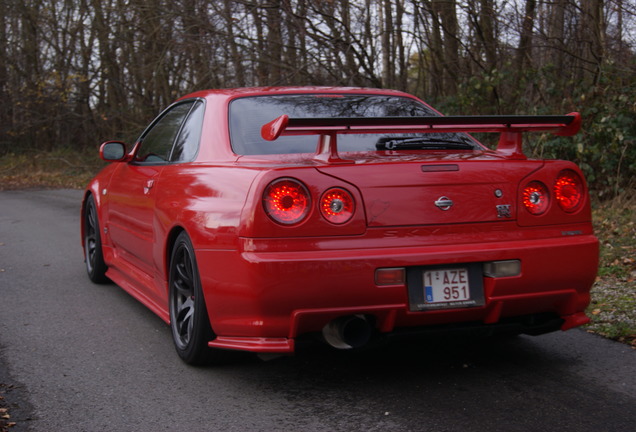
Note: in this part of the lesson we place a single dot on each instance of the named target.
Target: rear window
(247, 116)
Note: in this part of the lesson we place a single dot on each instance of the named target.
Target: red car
(251, 218)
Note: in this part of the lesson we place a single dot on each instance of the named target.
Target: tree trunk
(524, 50)
(235, 56)
(386, 20)
(436, 48)
(591, 38)
(447, 11)
(486, 22)
(274, 54)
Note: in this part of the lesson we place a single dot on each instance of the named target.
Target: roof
(261, 91)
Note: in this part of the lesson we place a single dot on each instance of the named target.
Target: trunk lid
(437, 191)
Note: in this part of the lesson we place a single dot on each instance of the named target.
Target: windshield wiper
(421, 143)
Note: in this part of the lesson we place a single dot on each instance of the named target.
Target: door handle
(149, 185)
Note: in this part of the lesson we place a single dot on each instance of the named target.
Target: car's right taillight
(568, 191)
(536, 198)
(286, 201)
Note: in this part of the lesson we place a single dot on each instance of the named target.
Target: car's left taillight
(337, 205)
(287, 201)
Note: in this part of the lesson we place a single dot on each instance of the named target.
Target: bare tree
(524, 50)
(70, 70)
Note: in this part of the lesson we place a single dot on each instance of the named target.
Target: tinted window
(247, 115)
(187, 144)
(156, 143)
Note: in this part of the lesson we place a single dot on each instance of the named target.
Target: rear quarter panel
(206, 201)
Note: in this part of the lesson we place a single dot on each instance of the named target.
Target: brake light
(337, 205)
(568, 191)
(535, 197)
(286, 201)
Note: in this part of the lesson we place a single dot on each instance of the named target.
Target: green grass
(613, 306)
(57, 169)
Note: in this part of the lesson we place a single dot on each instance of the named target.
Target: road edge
(14, 398)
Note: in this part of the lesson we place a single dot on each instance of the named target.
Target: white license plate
(446, 285)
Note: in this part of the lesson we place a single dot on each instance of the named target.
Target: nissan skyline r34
(249, 219)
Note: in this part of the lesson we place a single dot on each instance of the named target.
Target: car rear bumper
(270, 298)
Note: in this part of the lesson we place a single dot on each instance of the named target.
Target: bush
(606, 146)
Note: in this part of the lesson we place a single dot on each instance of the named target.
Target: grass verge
(613, 306)
(64, 168)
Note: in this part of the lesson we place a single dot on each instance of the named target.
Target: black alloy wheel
(191, 330)
(93, 256)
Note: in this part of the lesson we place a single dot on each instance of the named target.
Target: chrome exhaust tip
(348, 332)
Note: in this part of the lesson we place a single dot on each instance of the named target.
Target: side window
(187, 144)
(157, 142)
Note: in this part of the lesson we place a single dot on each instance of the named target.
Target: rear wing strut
(510, 129)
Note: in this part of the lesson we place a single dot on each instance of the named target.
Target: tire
(189, 321)
(93, 255)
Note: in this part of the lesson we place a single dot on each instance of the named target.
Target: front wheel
(189, 322)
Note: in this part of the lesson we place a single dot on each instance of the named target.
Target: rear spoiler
(510, 129)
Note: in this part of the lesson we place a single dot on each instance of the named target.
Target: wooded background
(74, 73)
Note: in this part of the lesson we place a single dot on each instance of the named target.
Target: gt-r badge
(503, 211)
(444, 203)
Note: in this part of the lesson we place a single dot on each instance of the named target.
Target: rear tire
(93, 255)
(189, 321)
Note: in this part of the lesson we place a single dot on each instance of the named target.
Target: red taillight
(568, 191)
(286, 201)
(337, 205)
(535, 197)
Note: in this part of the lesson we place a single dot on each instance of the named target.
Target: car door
(132, 193)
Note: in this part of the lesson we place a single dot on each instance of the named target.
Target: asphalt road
(83, 357)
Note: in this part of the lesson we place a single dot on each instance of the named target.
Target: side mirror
(113, 151)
